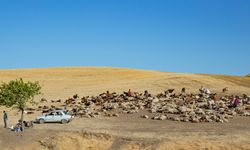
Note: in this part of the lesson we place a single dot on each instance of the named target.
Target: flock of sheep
(201, 107)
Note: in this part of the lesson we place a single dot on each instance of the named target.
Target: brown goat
(225, 89)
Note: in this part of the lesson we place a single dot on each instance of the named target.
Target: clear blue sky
(195, 36)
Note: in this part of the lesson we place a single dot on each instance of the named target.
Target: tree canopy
(17, 93)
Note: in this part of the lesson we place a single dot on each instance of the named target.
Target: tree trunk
(22, 120)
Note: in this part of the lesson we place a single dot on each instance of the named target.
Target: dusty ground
(131, 132)
(126, 131)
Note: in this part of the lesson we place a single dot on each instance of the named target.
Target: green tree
(18, 94)
(248, 75)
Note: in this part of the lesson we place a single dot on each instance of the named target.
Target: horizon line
(61, 67)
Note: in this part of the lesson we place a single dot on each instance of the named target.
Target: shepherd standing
(5, 118)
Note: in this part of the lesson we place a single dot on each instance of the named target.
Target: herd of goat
(162, 104)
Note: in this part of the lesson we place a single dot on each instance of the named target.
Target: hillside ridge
(66, 81)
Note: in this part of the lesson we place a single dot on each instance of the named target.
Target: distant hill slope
(64, 82)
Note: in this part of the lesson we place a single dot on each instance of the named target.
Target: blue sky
(195, 36)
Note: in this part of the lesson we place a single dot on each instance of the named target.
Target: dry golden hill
(64, 82)
(128, 131)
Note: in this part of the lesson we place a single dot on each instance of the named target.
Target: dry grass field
(127, 131)
(64, 82)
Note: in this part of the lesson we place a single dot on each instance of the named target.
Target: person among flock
(146, 94)
(108, 94)
(183, 90)
(130, 94)
(236, 101)
(183, 94)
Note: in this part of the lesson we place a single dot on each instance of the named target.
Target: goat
(75, 96)
(225, 89)
(43, 100)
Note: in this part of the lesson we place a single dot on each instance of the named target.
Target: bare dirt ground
(125, 131)
(132, 132)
